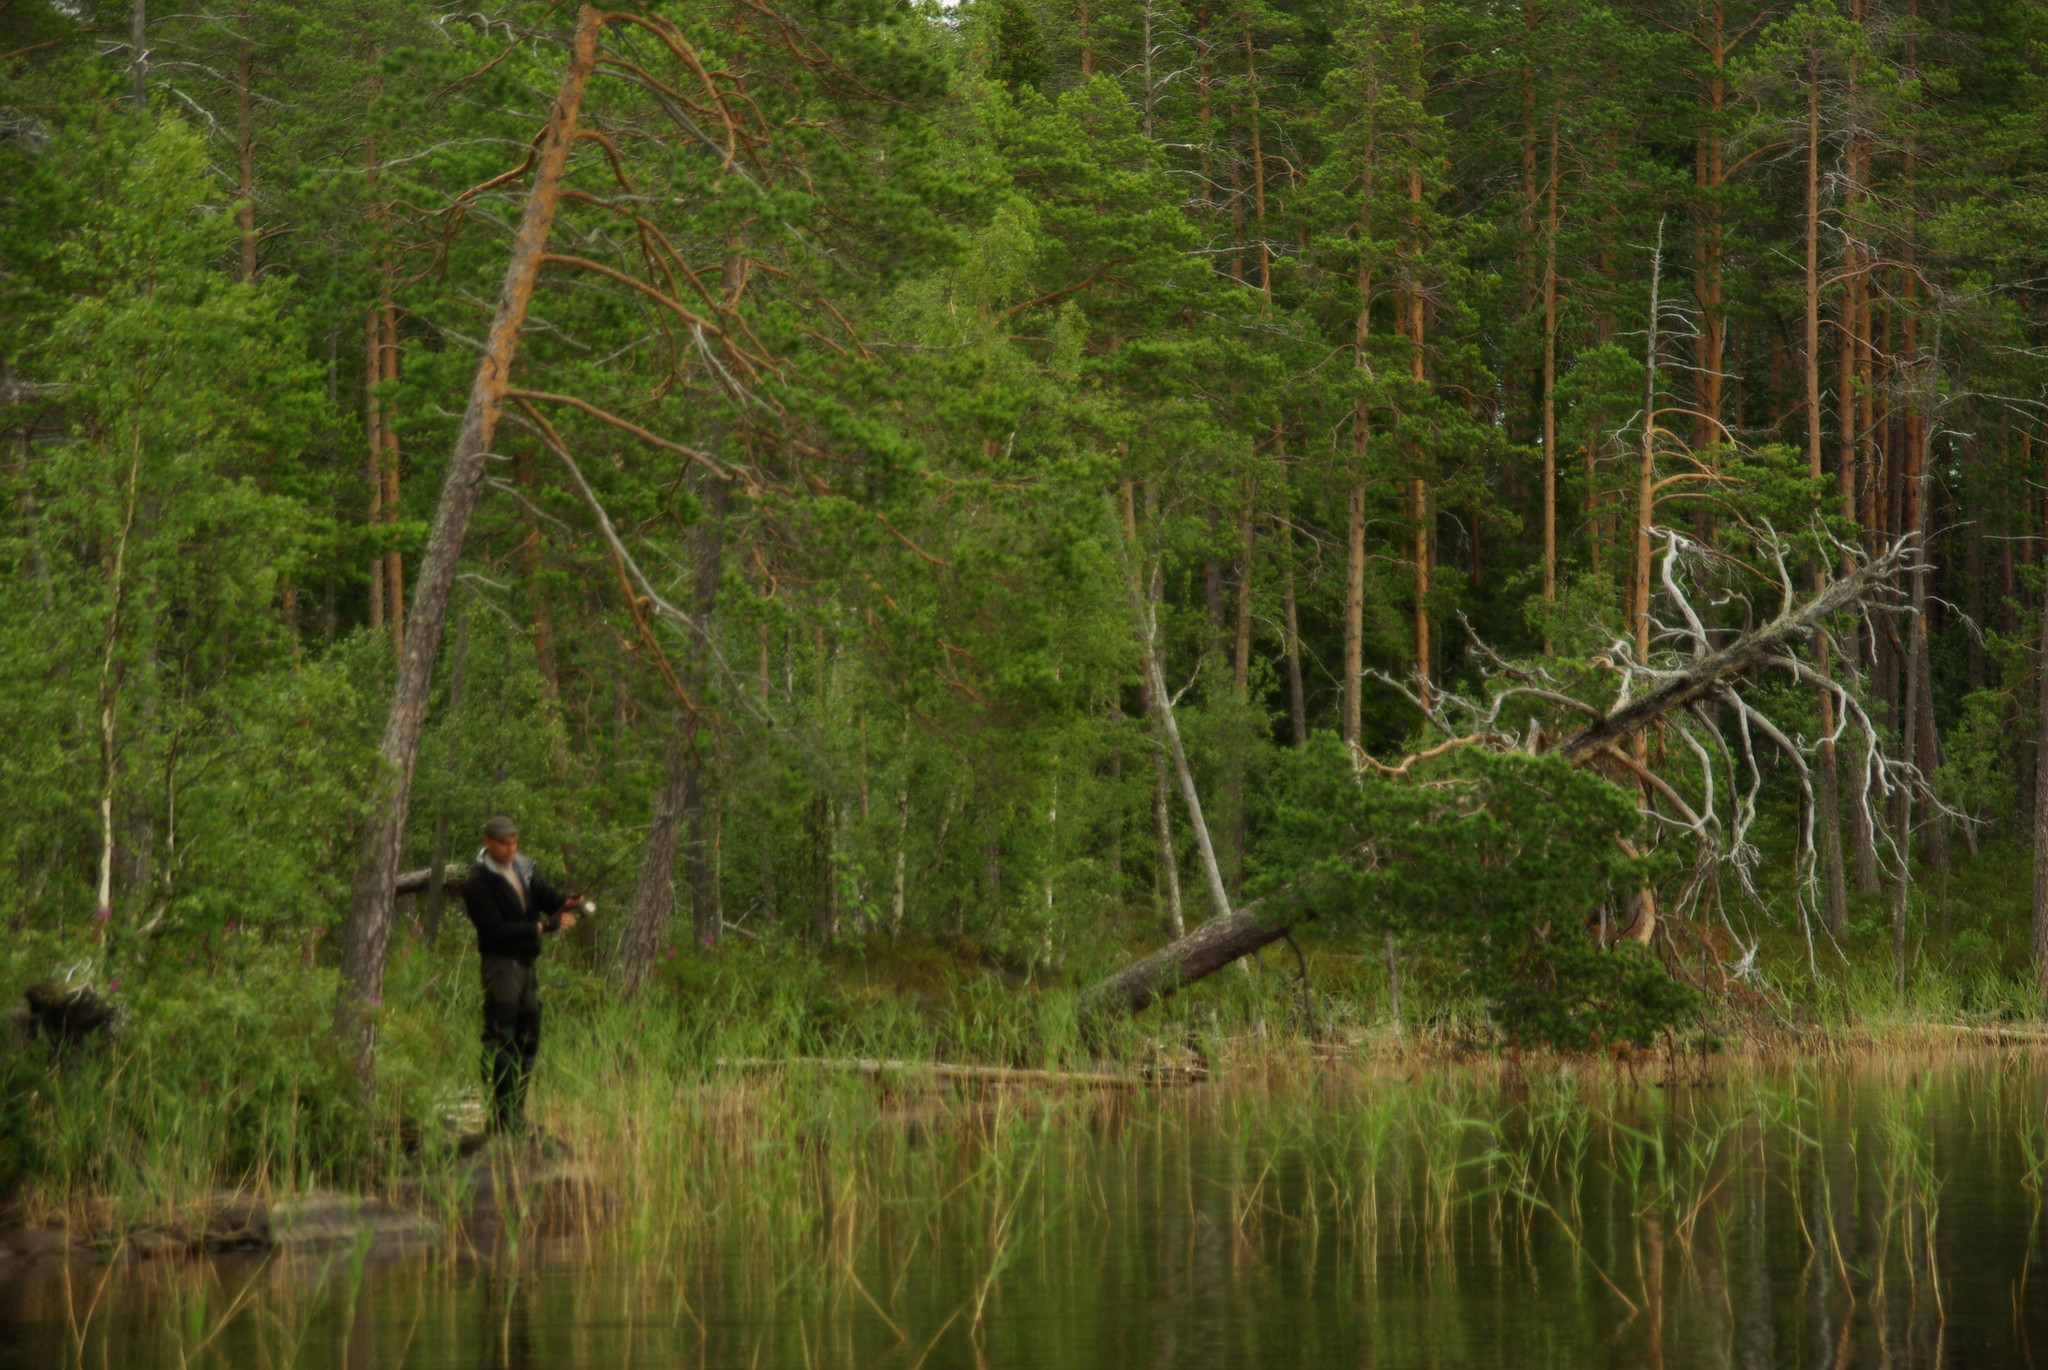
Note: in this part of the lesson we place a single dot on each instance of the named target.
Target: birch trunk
(1169, 730)
(437, 878)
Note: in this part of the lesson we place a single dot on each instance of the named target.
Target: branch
(1753, 649)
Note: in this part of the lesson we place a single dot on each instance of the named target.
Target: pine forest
(1076, 538)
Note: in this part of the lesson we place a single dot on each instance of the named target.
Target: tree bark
(1828, 810)
(1297, 701)
(1909, 713)
(1251, 80)
(1361, 437)
(437, 878)
(543, 622)
(1169, 730)
(2040, 808)
(654, 893)
(388, 461)
(1418, 488)
(111, 676)
(367, 932)
(707, 919)
(1354, 612)
(245, 148)
(138, 57)
(373, 433)
(1418, 511)
(1646, 462)
(1550, 380)
(1167, 879)
(1237, 739)
(1203, 952)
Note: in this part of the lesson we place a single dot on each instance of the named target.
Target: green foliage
(218, 1070)
(933, 292)
(1506, 861)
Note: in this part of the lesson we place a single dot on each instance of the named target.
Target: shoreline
(539, 1185)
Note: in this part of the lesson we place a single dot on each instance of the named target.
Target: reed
(805, 1218)
(802, 1216)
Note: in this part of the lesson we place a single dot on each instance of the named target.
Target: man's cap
(500, 828)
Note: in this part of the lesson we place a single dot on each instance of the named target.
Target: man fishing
(511, 907)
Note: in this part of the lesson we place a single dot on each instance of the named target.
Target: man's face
(501, 848)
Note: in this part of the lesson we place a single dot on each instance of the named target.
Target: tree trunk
(1828, 810)
(707, 877)
(824, 826)
(1237, 740)
(1297, 701)
(138, 57)
(1168, 858)
(394, 560)
(1251, 80)
(373, 433)
(1709, 176)
(1909, 712)
(1418, 510)
(1169, 730)
(1550, 380)
(1930, 761)
(707, 921)
(1827, 816)
(1361, 433)
(543, 622)
(1811, 317)
(437, 877)
(1393, 980)
(1697, 681)
(1646, 462)
(2040, 808)
(1206, 950)
(245, 148)
(112, 675)
(367, 931)
(1354, 613)
(1418, 488)
(654, 893)
(1167, 877)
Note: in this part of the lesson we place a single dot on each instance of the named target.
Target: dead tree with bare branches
(1703, 695)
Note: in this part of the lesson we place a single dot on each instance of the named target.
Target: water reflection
(1887, 1214)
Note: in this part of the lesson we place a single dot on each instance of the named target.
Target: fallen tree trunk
(1206, 950)
(937, 1070)
(416, 882)
(1753, 649)
(1222, 940)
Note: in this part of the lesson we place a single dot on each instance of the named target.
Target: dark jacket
(503, 926)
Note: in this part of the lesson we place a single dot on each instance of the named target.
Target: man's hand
(564, 921)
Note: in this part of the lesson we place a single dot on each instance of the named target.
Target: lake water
(1881, 1213)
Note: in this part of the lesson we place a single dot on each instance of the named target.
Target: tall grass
(806, 1217)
